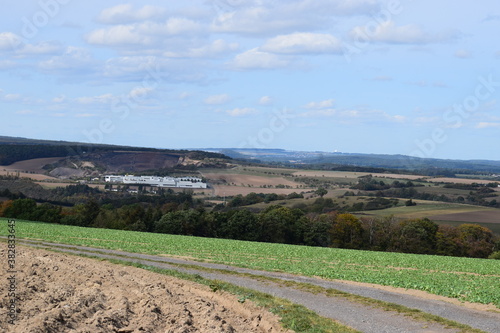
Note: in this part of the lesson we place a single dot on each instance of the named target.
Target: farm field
(224, 190)
(459, 180)
(62, 293)
(33, 176)
(51, 185)
(33, 165)
(473, 280)
(480, 216)
(353, 175)
(431, 208)
(32, 169)
(242, 180)
(444, 213)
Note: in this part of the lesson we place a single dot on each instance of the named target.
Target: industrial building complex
(183, 182)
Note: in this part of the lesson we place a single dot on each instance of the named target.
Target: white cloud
(265, 100)
(241, 112)
(74, 58)
(117, 35)
(171, 27)
(101, 99)
(125, 13)
(269, 18)
(255, 59)
(214, 49)
(148, 33)
(397, 118)
(41, 48)
(350, 115)
(320, 105)
(12, 97)
(482, 125)
(253, 20)
(463, 54)
(11, 42)
(303, 43)
(140, 92)
(217, 99)
(153, 70)
(339, 7)
(126, 66)
(318, 113)
(389, 32)
(426, 120)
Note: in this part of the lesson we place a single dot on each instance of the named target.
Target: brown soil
(459, 180)
(33, 165)
(33, 176)
(222, 190)
(244, 180)
(63, 293)
(26, 167)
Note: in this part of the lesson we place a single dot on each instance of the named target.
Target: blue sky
(372, 76)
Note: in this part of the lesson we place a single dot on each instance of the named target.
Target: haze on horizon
(370, 76)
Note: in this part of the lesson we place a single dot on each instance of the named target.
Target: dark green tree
(21, 209)
(346, 232)
(321, 192)
(243, 225)
(416, 236)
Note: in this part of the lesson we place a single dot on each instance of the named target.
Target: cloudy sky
(373, 76)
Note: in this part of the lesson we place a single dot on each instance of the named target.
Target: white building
(113, 179)
(184, 182)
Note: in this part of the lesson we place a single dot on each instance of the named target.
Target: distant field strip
(486, 216)
(428, 209)
(473, 280)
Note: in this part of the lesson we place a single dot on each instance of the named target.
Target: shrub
(495, 255)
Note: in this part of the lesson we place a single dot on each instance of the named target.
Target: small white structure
(113, 179)
(184, 182)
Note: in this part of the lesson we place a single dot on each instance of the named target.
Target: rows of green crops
(474, 280)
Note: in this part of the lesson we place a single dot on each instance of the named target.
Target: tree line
(275, 224)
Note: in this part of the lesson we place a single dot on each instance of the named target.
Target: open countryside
(234, 166)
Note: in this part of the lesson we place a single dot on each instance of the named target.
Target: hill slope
(66, 159)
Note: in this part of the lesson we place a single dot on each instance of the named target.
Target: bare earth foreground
(63, 293)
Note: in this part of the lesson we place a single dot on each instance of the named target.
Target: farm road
(361, 317)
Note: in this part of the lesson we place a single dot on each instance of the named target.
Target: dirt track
(361, 317)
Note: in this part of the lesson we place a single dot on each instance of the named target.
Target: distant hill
(82, 159)
(319, 158)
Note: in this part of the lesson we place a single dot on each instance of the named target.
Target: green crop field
(474, 280)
